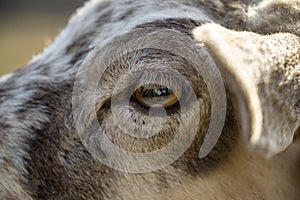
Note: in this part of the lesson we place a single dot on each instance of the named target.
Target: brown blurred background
(26, 26)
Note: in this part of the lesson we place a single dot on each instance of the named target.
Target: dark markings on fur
(4, 95)
(80, 47)
(104, 18)
(58, 162)
(45, 172)
(103, 5)
(181, 24)
(127, 14)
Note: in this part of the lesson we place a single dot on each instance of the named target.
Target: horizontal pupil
(154, 95)
(155, 92)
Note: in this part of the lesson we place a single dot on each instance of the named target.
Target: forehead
(103, 20)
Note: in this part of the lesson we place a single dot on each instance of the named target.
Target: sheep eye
(153, 95)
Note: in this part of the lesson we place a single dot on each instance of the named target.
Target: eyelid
(164, 100)
(131, 81)
(127, 85)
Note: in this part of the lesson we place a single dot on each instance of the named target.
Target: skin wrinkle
(43, 157)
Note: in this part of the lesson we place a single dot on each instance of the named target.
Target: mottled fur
(42, 156)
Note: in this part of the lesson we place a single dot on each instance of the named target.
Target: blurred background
(27, 26)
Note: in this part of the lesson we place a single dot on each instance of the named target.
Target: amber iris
(154, 95)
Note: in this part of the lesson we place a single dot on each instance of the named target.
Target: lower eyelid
(148, 99)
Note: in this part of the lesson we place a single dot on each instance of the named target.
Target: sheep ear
(263, 74)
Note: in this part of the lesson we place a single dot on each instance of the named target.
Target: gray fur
(42, 155)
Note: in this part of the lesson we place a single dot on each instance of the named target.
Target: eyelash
(175, 108)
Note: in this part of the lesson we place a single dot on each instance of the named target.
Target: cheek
(130, 134)
(133, 130)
